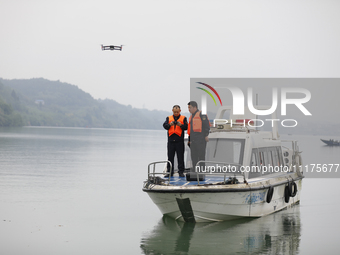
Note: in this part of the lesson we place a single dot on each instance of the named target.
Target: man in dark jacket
(198, 131)
(176, 124)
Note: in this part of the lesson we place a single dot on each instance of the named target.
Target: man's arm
(185, 125)
(166, 124)
(205, 127)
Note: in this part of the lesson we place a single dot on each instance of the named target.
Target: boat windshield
(225, 150)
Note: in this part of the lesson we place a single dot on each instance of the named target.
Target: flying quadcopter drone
(112, 47)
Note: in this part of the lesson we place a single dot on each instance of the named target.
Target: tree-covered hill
(41, 102)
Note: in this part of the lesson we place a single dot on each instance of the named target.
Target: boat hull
(331, 142)
(227, 204)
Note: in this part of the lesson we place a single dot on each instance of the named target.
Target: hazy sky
(166, 44)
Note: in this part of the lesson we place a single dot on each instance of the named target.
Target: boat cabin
(237, 149)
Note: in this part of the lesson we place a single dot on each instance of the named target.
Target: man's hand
(172, 123)
(207, 139)
(179, 123)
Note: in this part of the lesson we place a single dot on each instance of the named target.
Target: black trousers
(178, 148)
(197, 148)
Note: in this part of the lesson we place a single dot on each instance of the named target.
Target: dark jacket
(174, 137)
(199, 136)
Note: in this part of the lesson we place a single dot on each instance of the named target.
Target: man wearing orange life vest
(176, 124)
(198, 131)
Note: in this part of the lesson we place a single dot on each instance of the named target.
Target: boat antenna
(257, 103)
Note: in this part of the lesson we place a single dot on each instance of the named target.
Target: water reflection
(278, 233)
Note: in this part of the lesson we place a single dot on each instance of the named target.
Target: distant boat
(331, 142)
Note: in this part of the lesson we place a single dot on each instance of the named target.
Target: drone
(112, 47)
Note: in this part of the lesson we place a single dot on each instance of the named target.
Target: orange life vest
(176, 129)
(196, 123)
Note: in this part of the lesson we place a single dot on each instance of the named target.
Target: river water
(79, 191)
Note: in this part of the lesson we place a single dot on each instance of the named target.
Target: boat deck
(212, 179)
(209, 179)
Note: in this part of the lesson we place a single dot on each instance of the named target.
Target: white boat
(258, 176)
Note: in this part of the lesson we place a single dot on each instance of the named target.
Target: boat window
(253, 161)
(255, 164)
(262, 159)
(268, 156)
(279, 153)
(275, 158)
(225, 150)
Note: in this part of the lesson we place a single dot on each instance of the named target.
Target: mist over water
(79, 191)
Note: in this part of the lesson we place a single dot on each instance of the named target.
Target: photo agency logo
(302, 111)
(206, 91)
(241, 100)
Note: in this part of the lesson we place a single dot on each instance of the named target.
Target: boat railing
(154, 169)
(230, 165)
